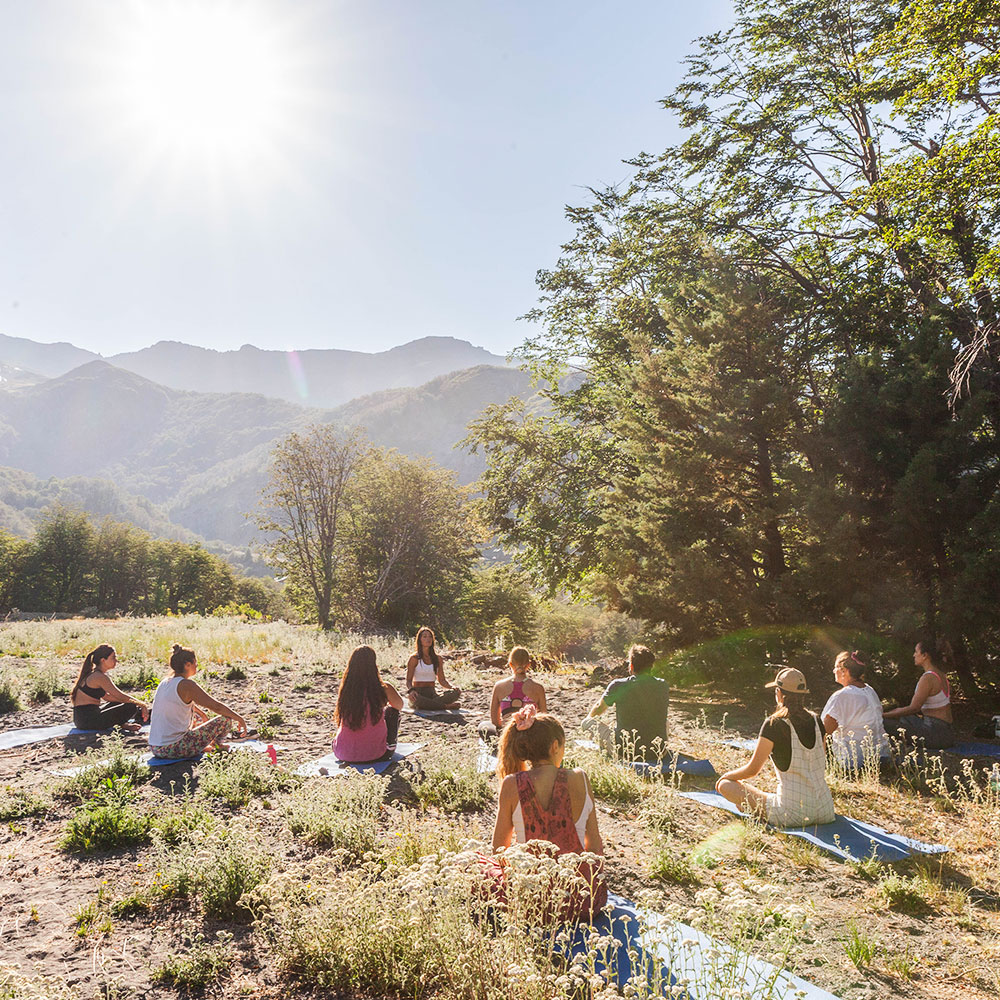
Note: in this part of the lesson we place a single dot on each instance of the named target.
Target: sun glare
(202, 80)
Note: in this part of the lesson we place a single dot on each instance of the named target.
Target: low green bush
(451, 782)
(238, 777)
(9, 698)
(111, 761)
(108, 822)
(203, 965)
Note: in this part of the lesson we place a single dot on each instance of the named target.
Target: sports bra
(515, 700)
(424, 673)
(96, 693)
(943, 698)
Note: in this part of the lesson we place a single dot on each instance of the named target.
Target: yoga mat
(486, 762)
(739, 744)
(974, 749)
(39, 734)
(845, 838)
(438, 713)
(257, 746)
(677, 762)
(336, 767)
(682, 955)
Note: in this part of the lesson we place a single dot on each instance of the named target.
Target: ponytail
(793, 705)
(94, 657)
(180, 658)
(518, 747)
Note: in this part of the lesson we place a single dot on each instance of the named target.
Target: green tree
(409, 542)
(57, 572)
(13, 558)
(302, 509)
(121, 566)
(499, 599)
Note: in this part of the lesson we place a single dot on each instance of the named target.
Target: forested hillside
(199, 458)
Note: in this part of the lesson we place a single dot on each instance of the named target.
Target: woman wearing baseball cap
(793, 738)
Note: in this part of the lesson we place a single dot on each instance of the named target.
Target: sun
(201, 81)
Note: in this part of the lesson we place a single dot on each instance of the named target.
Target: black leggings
(103, 719)
(391, 726)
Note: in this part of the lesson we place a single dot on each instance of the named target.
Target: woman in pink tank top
(367, 712)
(540, 800)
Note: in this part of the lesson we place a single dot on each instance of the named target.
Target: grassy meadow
(235, 878)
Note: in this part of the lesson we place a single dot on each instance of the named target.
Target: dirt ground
(951, 945)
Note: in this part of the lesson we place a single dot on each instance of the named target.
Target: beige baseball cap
(790, 679)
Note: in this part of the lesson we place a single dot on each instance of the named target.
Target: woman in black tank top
(93, 685)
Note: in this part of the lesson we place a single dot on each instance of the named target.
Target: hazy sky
(312, 174)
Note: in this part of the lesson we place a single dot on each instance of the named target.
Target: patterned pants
(193, 742)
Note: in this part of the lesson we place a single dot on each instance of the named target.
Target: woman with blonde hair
(793, 739)
(512, 693)
(424, 670)
(541, 800)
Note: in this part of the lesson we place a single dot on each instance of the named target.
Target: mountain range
(322, 378)
(184, 463)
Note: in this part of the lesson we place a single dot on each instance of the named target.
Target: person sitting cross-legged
(793, 738)
(367, 711)
(424, 670)
(512, 693)
(641, 701)
(178, 727)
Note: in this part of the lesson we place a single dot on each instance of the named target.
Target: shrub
(107, 822)
(268, 720)
(111, 761)
(9, 700)
(673, 865)
(452, 782)
(16, 803)
(907, 895)
(238, 777)
(139, 678)
(174, 821)
(861, 949)
(93, 917)
(44, 686)
(341, 814)
(236, 673)
(204, 964)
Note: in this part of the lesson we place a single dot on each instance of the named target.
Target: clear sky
(312, 174)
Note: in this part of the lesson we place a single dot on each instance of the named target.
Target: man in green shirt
(640, 702)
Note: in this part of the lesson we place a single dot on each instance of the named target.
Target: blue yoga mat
(675, 762)
(335, 767)
(671, 953)
(39, 734)
(255, 746)
(845, 838)
(975, 749)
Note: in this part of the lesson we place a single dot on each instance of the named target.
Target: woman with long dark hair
(180, 725)
(93, 685)
(539, 799)
(367, 712)
(927, 720)
(424, 671)
(793, 739)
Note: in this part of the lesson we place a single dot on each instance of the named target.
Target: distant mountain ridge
(202, 458)
(50, 360)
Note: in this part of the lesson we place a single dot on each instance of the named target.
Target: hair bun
(177, 647)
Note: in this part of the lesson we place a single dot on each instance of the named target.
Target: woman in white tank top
(927, 721)
(424, 671)
(178, 728)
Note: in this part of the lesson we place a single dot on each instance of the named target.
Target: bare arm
(411, 665)
(592, 835)
(441, 678)
(540, 699)
(199, 697)
(599, 709)
(112, 693)
(830, 724)
(392, 696)
(503, 829)
(753, 767)
(923, 691)
(495, 705)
